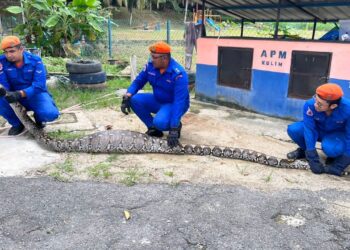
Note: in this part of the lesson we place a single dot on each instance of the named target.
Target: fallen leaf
(127, 214)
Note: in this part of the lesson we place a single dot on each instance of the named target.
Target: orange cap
(329, 92)
(9, 42)
(160, 48)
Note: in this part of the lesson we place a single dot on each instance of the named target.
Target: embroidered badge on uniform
(309, 112)
(179, 76)
(169, 81)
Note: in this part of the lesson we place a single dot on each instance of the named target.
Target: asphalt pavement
(41, 213)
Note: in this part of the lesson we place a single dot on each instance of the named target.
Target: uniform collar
(25, 58)
(170, 66)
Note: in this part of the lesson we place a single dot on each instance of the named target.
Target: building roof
(290, 10)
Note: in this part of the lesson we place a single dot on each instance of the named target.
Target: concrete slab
(68, 121)
(71, 121)
(21, 153)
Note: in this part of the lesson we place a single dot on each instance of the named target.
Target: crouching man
(326, 118)
(23, 75)
(163, 109)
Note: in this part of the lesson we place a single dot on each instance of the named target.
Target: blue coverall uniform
(332, 131)
(31, 78)
(170, 98)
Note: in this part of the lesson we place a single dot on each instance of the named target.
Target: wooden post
(277, 19)
(133, 67)
(190, 43)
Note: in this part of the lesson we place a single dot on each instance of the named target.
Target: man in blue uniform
(24, 77)
(326, 119)
(169, 100)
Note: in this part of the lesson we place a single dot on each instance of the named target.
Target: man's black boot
(154, 132)
(299, 153)
(329, 160)
(180, 127)
(40, 125)
(16, 130)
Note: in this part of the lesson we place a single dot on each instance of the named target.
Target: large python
(130, 142)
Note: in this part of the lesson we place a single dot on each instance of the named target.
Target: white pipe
(185, 11)
(23, 17)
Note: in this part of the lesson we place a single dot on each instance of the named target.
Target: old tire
(191, 77)
(90, 78)
(83, 67)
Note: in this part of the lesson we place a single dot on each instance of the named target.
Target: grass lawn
(66, 95)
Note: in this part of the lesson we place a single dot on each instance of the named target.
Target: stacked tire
(86, 74)
(191, 79)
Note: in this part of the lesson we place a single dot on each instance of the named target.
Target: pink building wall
(267, 53)
(270, 74)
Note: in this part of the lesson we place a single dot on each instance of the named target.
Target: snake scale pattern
(129, 142)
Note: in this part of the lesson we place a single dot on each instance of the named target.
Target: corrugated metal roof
(290, 10)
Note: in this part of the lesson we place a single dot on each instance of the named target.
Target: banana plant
(53, 22)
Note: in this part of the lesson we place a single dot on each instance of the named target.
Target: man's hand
(173, 137)
(125, 107)
(2, 91)
(314, 162)
(13, 96)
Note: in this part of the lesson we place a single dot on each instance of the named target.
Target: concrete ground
(22, 154)
(240, 208)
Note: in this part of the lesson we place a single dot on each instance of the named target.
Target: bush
(51, 23)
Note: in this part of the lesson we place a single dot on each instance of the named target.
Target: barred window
(235, 67)
(308, 71)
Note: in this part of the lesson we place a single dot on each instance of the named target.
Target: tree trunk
(130, 21)
(141, 4)
(1, 29)
(106, 3)
(175, 5)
